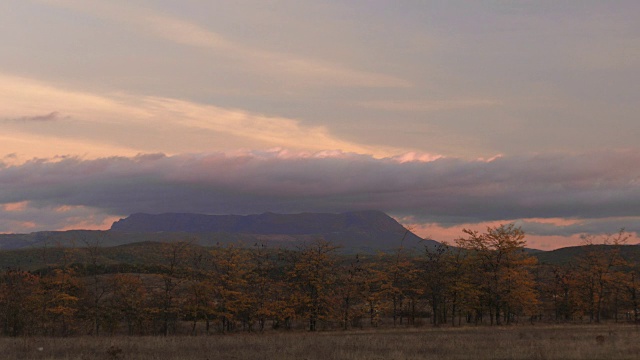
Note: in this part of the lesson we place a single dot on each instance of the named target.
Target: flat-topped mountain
(359, 229)
(267, 223)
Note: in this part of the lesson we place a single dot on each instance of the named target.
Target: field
(514, 342)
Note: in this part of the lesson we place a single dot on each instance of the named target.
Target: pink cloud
(16, 206)
(90, 223)
(417, 157)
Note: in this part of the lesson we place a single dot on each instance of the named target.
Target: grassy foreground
(531, 342)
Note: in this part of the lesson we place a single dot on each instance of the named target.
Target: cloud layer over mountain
(595, 192)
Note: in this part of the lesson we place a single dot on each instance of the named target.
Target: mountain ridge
(356, 231)
(265, 223)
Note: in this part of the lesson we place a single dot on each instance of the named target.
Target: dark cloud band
(445, 191)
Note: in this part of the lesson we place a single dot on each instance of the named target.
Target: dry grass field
(514, 342)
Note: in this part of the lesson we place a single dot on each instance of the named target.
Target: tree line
(482, 278)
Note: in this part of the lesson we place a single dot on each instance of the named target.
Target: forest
(487, 278)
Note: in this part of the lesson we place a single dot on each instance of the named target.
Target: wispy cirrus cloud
(304, 71)
(52, 116)
(596, 192)
(99, 125)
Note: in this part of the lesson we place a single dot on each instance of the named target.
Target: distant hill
(569, 254)
(359, 231)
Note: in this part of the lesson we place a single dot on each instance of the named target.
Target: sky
(445, 114)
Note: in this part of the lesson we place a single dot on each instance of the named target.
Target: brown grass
(515, 342)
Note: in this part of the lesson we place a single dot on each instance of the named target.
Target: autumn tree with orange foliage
(600, 273)
(20, 299)
(229, 280)
(352, 288)
(435, 268)
(129, 300)
(174, 271)
(399, 282)
(314, 278)
(264, 288)
(504, 272)
(61, 291)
